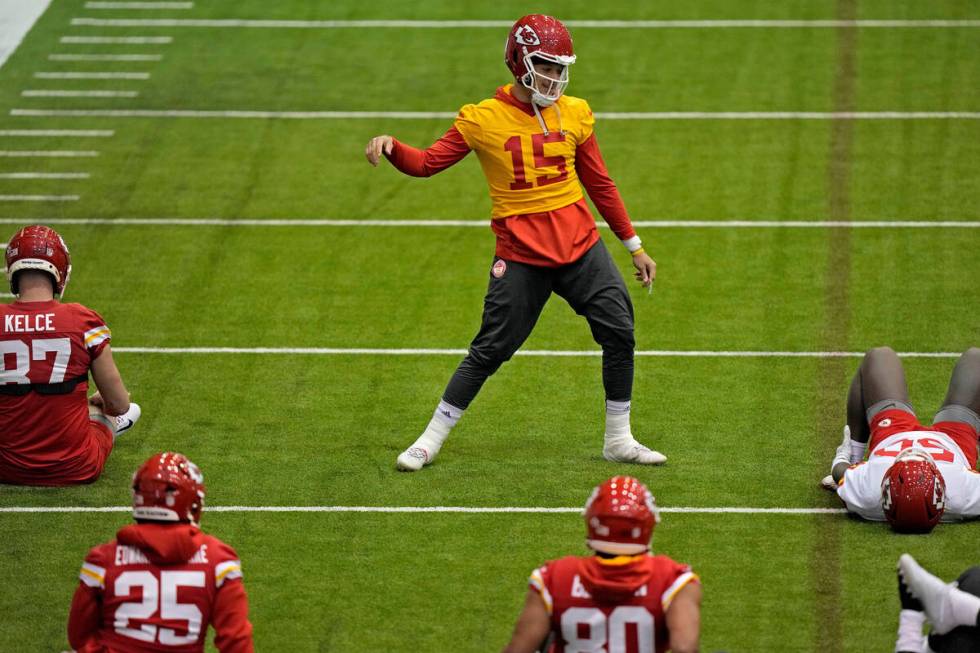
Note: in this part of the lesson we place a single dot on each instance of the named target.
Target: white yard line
(589, 353)
(139, 5)
(437, 509)
(47, 153)
(449, 115)
(496, 24)
(39, 198)
(105, 57)
(44, 175)
(64, 93)
(16, 19)
(92, 75)
(110, 40)
(80, 133)
(485, 223)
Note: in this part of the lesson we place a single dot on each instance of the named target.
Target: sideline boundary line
(485, 223)
(557, 353)
(449, 115)
(438, 509)
(451, 24)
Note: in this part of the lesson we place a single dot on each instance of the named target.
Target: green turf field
(316, 429)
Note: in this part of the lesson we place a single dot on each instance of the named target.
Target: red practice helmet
(913, 492)
(539, 37)
(38, 248)
(168, 487)
(620, 516)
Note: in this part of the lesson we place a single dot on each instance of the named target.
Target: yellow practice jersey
(526, 170)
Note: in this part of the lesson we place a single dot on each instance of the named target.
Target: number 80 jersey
(613, 604)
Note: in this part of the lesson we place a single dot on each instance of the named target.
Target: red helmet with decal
(38, 248)
(539, 37)
(913, 492)
(168, 487)
(620, 516)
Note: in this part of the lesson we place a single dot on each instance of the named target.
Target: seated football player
(50, 434)
(594, 602)
(953, 610)
(915, 476)
(162, 581)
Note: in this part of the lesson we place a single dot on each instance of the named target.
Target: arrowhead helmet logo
(525, 35)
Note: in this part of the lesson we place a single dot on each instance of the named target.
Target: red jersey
(615, 604)
(47, 349)
(155, 588)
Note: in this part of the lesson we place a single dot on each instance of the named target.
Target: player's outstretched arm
(378, 145)
(112, 396)
(532, 628)
(684, 620)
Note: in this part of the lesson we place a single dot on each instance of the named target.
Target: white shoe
(413, 459)
(126, 421)
(935, 595)
(628, 450)
(828, 483)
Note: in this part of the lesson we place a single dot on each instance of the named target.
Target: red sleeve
(602, 190)
(446, 151)
(232, 629)
(85, 617)
(94, 330)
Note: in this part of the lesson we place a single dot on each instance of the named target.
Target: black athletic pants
(592, 286)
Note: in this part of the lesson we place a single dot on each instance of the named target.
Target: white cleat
(628, 450)
(126, 421)
(828, 483)
(935, 595)
(413, 459)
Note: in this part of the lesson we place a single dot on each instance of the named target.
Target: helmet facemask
(553, 87)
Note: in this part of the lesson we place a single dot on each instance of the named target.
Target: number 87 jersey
(155, 589)
(616, 604)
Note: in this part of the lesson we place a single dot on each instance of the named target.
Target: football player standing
(622, 593)
(49, 433)
(157, 586)
(915, 476)
(537, 148)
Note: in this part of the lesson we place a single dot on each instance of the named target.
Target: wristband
(638, 252)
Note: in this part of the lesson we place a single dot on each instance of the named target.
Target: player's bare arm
(684, 620)
(533, 626)
(376, 146)
(112, 397)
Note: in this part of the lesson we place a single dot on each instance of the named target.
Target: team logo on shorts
(885, 422)
(499, 268)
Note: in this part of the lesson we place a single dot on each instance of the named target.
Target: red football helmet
(913, 492)
(38, 248)
(539, 37)
(168, 487)
(620, 516)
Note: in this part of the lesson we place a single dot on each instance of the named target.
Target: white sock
(857, 451)
(443, 420)
(910, 635)
(965, 607)
(618, 420)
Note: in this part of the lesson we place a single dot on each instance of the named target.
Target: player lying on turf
(536, 145)
(915, 475)
(157, 586)
(49, 433)
(953, 610)
(621, 592)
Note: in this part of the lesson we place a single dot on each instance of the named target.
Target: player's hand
(646, 269)
(96, 400)
(376, 146)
